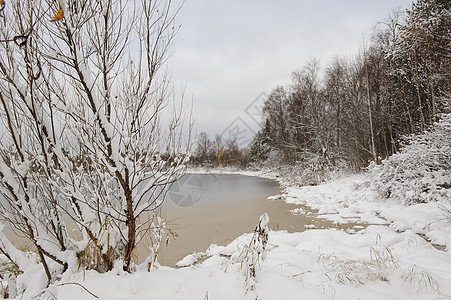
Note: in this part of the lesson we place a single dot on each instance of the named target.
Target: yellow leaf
(59, 15)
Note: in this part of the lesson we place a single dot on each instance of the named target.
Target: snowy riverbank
(352, 198)
(317, 264)
(378, 262)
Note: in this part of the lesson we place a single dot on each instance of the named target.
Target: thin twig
(68, 283)
(75, 283)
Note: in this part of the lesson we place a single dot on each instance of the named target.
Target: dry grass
(359, 272)
(8, 270)
(251, 255)
(379, 267)
(420, 280)
(95, 257)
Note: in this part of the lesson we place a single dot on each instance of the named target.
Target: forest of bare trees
(358, 110)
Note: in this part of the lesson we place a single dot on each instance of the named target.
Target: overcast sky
(229, 52)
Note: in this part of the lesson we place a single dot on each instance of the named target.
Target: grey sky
(229, 52)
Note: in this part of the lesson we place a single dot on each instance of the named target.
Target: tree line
(219, 152)
(356, 110)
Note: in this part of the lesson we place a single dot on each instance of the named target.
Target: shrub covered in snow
(421, 171)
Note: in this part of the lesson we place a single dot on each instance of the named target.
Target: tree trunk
(373, 139)
(131, 225)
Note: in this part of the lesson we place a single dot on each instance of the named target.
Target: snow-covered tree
(89, 130)
(421, 56)
(258, 147)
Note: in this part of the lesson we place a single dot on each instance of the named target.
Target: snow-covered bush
(93, 134)
(421, 171)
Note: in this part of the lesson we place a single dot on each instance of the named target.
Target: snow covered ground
(384, 261)
(353, 199)
(377, 263)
